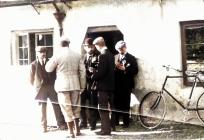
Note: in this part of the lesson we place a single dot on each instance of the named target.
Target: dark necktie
(44, 73)
(43, 63)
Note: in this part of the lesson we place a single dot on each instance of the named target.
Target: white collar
(103, 49)
(42, 60)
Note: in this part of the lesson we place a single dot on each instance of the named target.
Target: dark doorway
(111, 34)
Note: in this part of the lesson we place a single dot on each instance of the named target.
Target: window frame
(183, 26)
(23, 47)
(48, 46)
(15, 57)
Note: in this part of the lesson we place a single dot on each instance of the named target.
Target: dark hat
(40, 49)
(88, 41)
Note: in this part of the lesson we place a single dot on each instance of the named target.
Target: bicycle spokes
(200, 107)
(155, 103)
(152, 110)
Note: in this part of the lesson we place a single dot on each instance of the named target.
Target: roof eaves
(6, 3)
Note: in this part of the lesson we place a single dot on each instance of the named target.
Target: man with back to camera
(44, 85)
(104, 76)
(71, 79)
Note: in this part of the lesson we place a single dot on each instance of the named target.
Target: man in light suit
(71, 79)
(104, 76)
(44, 85)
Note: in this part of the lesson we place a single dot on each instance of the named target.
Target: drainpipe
(59, 16)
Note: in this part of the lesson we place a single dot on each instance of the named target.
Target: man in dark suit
(91, 59)
(126, 68)
(44, 85)
(104, 76)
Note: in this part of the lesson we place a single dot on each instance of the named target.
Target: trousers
(70, 103)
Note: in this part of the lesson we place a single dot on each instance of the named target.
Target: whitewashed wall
(152, 34)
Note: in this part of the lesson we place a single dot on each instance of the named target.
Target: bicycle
(152, 109)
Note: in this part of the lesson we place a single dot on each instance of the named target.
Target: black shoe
(103, 133)
(113, 129)
(93, 128)
(63, 127)
(117, 123)
(125, 125)
(83, 126)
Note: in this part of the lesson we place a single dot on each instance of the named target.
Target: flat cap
(120, 44)
(40, 49)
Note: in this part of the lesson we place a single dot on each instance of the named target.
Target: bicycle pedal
(186, 113)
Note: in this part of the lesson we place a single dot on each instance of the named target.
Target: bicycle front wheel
(152, 110)
(200, 107)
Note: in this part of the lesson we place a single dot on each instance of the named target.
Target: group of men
(68, 80)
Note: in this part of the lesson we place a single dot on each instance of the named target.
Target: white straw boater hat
(120, 44)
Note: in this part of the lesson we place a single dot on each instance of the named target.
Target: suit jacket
(125, 79)
(105, 72)
(90, 63)
(41, 79)
(70, 69)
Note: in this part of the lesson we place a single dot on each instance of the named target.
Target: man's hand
(81, 91)
(120, 66)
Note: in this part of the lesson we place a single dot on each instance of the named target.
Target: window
(45, 39)
(192, 41)
(23, 50)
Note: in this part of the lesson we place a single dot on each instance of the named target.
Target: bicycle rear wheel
(152, 110)
(200, 107)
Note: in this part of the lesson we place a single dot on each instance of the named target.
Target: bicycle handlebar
(188, 72)
(169, 67)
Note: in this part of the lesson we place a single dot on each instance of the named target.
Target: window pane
(21, 62)
(23, 41)
(49, 52)
(32, 47)
(194, 35)
(44, 40)
(25, 53)
(40, 40)
(20, 41)
(194, 66)
(20, 53)
(195, 52)
(48, 40)
(25, 62)
(195, 44)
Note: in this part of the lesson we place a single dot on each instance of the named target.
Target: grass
(167, 130)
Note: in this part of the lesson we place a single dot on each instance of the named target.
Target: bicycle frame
(196, 80)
